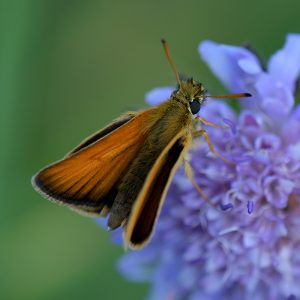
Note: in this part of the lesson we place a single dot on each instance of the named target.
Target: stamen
(250, 206)
(226, 206)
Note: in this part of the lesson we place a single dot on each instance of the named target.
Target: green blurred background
(67, 68)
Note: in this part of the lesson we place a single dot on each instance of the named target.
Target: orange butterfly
(125, 169)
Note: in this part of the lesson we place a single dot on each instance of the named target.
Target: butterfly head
(191, 93)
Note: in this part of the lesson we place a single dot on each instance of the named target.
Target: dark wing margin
(147, 207)
(103, 132)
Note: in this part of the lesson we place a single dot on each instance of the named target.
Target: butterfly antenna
(166, 48)
(240, 95)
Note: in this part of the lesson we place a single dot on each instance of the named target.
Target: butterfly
(125, 169)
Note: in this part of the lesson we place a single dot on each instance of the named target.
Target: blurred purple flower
(250, 247)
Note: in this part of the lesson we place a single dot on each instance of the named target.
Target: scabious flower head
(249, 246)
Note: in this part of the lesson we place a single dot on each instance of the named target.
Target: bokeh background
(67, 68)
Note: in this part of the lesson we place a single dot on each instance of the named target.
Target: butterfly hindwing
(146, 209)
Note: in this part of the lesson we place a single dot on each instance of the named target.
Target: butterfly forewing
(104, 131)
(87, 177)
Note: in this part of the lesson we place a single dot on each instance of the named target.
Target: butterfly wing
(86, 179)
(147, 207)
(104, 131)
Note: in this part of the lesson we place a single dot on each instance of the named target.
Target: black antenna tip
(248, 95)
(163, 41)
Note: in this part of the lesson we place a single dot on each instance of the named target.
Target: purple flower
(249, 247)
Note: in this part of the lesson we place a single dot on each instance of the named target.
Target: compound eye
(195, 106)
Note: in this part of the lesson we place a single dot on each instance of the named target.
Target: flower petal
(215, 111)
(277, 190)
(236, 67)
(284, 65)
(267, 142)
(277, 99)
(159, 95)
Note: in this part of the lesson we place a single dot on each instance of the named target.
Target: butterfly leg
(190, 175)
(208, 123)
(203, 133)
